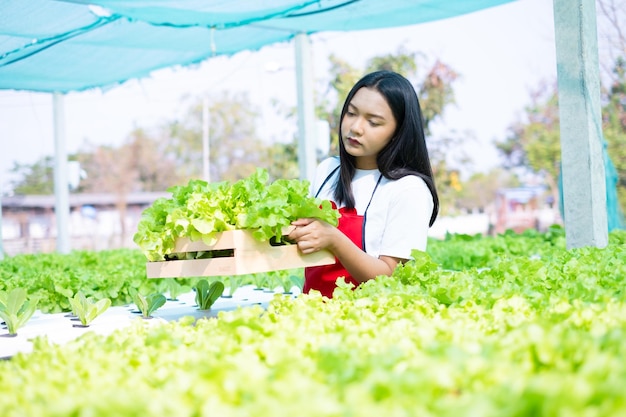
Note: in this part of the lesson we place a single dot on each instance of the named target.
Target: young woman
(382, 184)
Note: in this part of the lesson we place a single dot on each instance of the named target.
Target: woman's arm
(313, 235)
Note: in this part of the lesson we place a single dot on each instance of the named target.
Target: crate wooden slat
(249, 256)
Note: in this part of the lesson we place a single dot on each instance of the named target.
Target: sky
(501, 54)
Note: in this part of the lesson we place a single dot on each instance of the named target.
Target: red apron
(322, 278)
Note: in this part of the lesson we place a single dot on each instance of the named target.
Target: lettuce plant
(206, 294)
(234, 282)
(285, 279)
(174, 289)
(15, 309)
(261, 281)
(289, 280)
(147, 304)
(87, 309)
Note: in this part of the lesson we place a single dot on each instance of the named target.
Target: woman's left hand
(313, 235)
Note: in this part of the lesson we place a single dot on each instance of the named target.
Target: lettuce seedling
(86, 309)
(15, 309)
(260, 280)
(289, 280)
(234, 282)
(175, 289)
(147, 304)
(206, 294)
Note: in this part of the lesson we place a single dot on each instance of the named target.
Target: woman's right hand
(313, 235)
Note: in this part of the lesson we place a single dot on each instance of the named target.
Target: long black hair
(406, 152)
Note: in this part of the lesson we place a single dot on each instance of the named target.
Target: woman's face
(367, 127)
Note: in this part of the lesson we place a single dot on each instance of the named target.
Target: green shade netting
(62, 46)
(614, 214)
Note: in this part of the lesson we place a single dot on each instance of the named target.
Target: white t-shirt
(399, 213)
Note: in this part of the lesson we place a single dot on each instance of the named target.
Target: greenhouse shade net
(63, 46)
(614, 214)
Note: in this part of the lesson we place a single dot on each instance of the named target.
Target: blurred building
(28, 221)
(523, 208)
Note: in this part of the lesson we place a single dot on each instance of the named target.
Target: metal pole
(584, 183)
(206, 123)
(307, 160)
(61, 185)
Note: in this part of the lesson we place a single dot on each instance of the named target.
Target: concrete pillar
(584, 185)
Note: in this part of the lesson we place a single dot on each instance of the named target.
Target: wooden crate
(249, 256)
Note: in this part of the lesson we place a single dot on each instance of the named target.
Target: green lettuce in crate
(200, 210)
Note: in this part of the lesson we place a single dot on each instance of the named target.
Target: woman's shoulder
(328, 164)
(409, 192)
(409, 182)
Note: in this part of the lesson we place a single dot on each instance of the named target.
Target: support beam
(206, 152)
(307, 160)
(61, 184)
(584, 186)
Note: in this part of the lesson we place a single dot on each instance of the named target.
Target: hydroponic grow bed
(61, 327)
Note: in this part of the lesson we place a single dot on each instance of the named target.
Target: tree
(436, 92)
(612, 39)
(139, 164)
(155, 168)
(285, 157)
(111, 170)
(37, 178)
(235, 148)
(479, 190)
(614, 128)
(534, 143)
(611, 36)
